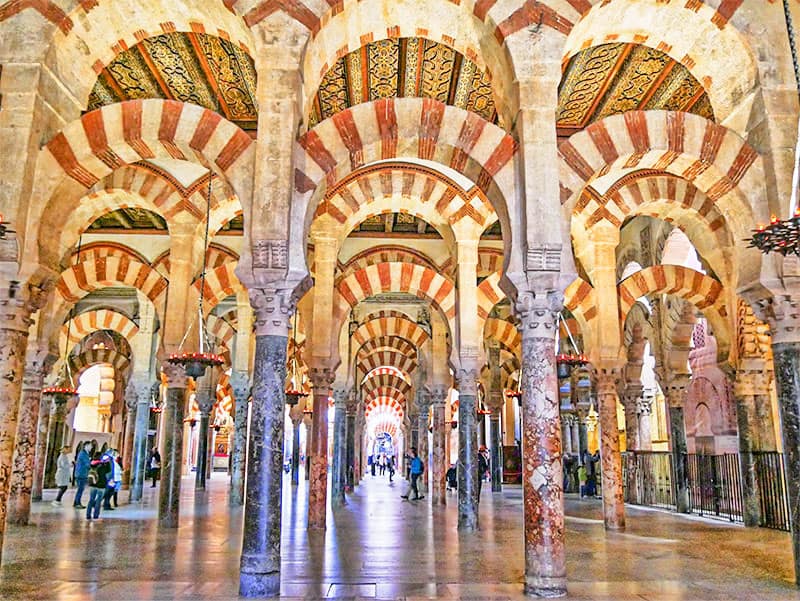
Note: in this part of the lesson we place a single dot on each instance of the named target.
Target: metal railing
(714, 484)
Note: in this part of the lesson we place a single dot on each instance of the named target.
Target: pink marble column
(14, 324)
(424, 405)
(542, 486)
(613, 502)
(322, 378)
(19, 502)
(441, 429)
(131, 401)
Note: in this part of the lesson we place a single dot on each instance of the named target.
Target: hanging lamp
(566, 362)
(196, 363)
(294, 384)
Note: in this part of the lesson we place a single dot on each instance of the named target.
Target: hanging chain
(201, 324)
(793, 48)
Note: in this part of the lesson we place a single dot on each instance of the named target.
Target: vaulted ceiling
(190, 67)
(613, 78)
(404, 67)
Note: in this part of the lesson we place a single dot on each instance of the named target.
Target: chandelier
(295, 384)
(783, 235)
(566, 362)
(196, 363)
(65, 391)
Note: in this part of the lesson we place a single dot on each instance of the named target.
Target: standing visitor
(582, 480)
(155, 466)
(483, 467)
(63, 474)
(390, 466)
(82, 462)
(417, 467)
(98, 481)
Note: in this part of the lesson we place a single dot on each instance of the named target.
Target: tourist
(63, 474)
(155, 466)
(390, 466)
(98, 481)
(417, 467)
(82, 462)
(483, 467)
(582, 479)
(452, 477)
(383, 464)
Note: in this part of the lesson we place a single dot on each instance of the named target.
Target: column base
(545, 588)
(260, 585)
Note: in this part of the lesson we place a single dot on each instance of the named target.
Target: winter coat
(63, 470)
(82, 464)
(103, 469)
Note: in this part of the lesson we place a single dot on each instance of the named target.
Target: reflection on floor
(382, 547)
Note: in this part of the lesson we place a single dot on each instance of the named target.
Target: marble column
(497, 449)
(144, 390)
(14, 324)
(131, 403)
(240, 382)
(583, 437)
(613, 501)
(765, 428)
(322, 378)
(744, 395)
(644, 409)
(296, 421)
(630, 404)
(424, 406)
(55, 438)
(542, 477)
(566, 433)
(339, 472)
(169, 496)
(441, 431)
(205, 396)
(575, 434)
(42, 438)
(260, 574)
(676, 394)
(350, 455)
(413, 417)
(307, 420)
(467, 468)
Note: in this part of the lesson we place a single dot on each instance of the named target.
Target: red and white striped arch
(384, 404)
(386, 254)
(384, 370)
(85, 323)
(387, 343)
(384, 382)
(489, 294)
(377, 359)
(504, 332)
(220, 283)
(220, 329)
(87, 359)
(390, 325)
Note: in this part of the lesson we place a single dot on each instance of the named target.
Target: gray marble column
(260, 573)
(644, 409)
(566, 430)
(350, 455)
(42, 438)
(322, 379)
(424, 406)
(575, 433)
(296, 421)
(205, 396)
(169, 497)
(744, 395)
(497, 450)
(467, 468)
(19, 502)
(441, 430)
(542, 477)
(130, 428)
(339, 472)
(676, 394)
(14, 324)
(144, 390)
(630, 403)
(240, 382)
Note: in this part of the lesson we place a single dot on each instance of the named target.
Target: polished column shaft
(142, 425)
(261, 544)
(42, 436)
(172, 448)
(350, 454)
(496, 443)
(205, 401)
(467, 451)
(613, 502)
(241, 387)
(318, 468)
(339, 479)
(296, 450)
(423, 448)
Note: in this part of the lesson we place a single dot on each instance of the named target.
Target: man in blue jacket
(81, 474)
(417, 467)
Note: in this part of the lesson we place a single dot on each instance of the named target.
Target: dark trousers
(81, 482)
(107, 497)
(414, 489)
(95, 500)
(155, 472)
(61, 491)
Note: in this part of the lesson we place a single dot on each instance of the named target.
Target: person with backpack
(97, 480)
(417, 467)
(82, 462)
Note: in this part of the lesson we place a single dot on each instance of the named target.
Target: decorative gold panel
(404, 67)
(189, 67)
(614, 78)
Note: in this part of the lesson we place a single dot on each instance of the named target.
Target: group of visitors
(382, 464)
(100, 470)
(581, 474)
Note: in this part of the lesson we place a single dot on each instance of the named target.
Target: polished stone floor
(381, 547)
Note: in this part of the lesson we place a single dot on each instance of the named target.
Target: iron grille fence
(714, 484)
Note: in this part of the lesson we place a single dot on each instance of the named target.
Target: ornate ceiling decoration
(614, 78)
(129, 219)
(395, 225)
(190, 67)
(403, 67)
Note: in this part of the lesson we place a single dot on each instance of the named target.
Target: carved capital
(676, 389)
(782, 313)
(272, 310)
(608, 380)
(644, 405)
(467, 381)
(423, 400)
(38, 364)
(176, 375)
(322, 378)
(537, 313)
(439, 395)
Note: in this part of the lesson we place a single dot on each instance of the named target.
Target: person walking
(390, 466)
(82, 462)
(114, 480)
(155, 465)
(98, 482)
(483, 467)
(63, 474)
(417, 467)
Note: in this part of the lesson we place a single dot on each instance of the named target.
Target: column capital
(467, 380)
(272, 310)
(439, 394)
(644, 405)
(608, 379)
(423, 400)
(340, 396)
(38, 364)
(537, 313)
(676, 389)
(322, 378)
(176, 375)
(782, 312)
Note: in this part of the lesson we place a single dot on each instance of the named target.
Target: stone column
(169, 497)
(339, 475)
(765, 429)
(42, 439)
(613, 502)
(260, 574)
(676, 394)
(441, 430)
(468, 498)
(240, 382)
(494, 402)
(296, 421)
(322, 378)
(14, 323)
(424, 405)
(350, 465)
(131, 402)
(205, 396)
(144, 391)
(542, 478)
(19, 501)
(744, 394)
(575, 434)
(630, 403)
(566, 433)
(55, 438)
(644, 409)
